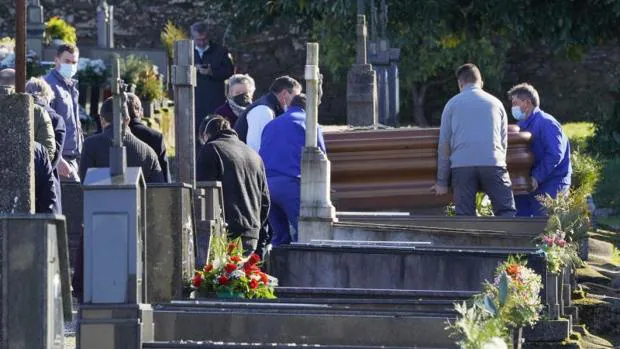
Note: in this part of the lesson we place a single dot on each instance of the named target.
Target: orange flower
(208, 268)
(513, 270)
(231, 247)
(235, 259)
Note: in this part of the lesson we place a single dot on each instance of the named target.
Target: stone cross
(118, 156)
(361, 84)
(36, 27)
(362, 35)
(312, 94)
(316, 212)
(105, 25)
(184, 81)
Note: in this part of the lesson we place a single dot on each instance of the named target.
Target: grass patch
(607, 192)
(578, 133)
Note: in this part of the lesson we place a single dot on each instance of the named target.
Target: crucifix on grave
(361, 84)
(384, 60)
(317, 212)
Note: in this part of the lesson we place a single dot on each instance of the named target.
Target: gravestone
(16, 167)
(115, 315)
(36, 27)
(34, 288)
(105, 25)
(362, 107)
(316, 212)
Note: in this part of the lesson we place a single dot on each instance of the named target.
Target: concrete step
(303, 324)
(390, 267)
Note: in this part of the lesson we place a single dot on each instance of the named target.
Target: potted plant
(57, 31)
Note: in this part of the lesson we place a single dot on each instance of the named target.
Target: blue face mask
(517, 113)
(67, 70)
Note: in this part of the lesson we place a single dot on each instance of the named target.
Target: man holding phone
(213, 67)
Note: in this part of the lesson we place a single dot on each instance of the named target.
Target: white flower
(237, 274)
(83, 63)
(495, 343)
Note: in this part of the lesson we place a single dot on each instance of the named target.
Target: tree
(436, 36)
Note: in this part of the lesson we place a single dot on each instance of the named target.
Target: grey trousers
(492, 180)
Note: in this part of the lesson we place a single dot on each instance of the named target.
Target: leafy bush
(568, 214)
(579, 134)
(586, 172)
(606, 140)
(141, 73)
(57, 28)
(607, 192)
(483, 206)
(169, 35)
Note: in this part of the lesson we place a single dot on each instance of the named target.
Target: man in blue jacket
(551, 173)
(282, 144)
(65, 103)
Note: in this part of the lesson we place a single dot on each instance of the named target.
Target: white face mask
(67, 70)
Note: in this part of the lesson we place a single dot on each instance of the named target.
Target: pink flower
(561, 242)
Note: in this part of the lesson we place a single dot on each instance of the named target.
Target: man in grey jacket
(473, 140)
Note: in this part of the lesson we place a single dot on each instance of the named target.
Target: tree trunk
(419, 95)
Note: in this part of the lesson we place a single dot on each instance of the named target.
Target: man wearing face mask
(213, 66)
(65, 103)
(252, 121)
(473, 140)
(551, 173)
(240, 94)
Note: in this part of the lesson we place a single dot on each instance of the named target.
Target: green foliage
(57, 28)
(140, 72)
(608, 190)
(586, 172)
(568, 214)
(475, 327)
(606, 140)
(169, 35)
(483, 206)
(579, 134)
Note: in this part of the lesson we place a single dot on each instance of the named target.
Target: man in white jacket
(252, 121)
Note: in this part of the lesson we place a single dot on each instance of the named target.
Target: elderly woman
(43, 94)
(240, 94)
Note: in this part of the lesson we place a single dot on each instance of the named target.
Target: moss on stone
(588, 301)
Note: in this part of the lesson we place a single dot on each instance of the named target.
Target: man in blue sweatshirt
(551, 173)
(282, 144)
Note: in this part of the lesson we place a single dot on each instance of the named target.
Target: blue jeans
(284, 211)
(528, 205)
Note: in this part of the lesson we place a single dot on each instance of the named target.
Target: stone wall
(572, 89)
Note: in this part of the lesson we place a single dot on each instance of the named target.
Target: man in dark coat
(225, 158)
(43, 94)
(96, 151)
(154, 139)
(213, 66)
(252, 121)
(44, 188)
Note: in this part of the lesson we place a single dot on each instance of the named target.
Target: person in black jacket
(43, 94)
(225, 158)
(96, 150)
(250, 124)
(153, 138)
(44, 188)
(213, 66)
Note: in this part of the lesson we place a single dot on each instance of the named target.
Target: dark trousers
(492, 180)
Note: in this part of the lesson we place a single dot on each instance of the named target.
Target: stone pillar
(317, 212)
(361, 84)
(118, 153)
(384, 61)
(184, 81)
(36, 27)
(105, 25)
(16, 167)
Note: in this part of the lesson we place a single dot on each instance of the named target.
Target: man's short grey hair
(242, 79)
(199, 28)
(525, 91)
(38, 87)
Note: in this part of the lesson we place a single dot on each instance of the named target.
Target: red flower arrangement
(229, 274)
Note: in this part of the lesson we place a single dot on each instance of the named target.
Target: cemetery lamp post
(20, 46)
